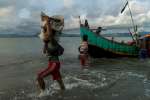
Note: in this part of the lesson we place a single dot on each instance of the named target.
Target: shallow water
(105, 79)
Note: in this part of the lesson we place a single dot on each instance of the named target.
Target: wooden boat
(100, 46)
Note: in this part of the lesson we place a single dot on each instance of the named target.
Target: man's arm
(49, 29)
(45, 47)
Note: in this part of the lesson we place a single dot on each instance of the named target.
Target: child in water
(50, 46)
(83, 49)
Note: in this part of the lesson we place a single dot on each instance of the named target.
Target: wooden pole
(131, 34)
(79, 20)
(131, 17)
(134, 28)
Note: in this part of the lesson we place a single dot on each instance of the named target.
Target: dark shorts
(83, 59)
(55, 72)
(143, 53)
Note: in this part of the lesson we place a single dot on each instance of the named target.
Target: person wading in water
(53, 50)
(83, 49)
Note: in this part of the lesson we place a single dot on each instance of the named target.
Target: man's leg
(61, 84)
(82, 61)
(41, 83)
(40, 78)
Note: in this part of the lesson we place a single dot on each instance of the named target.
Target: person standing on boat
(86, 23)
(50, 49)
(83, 49)
(98, 31)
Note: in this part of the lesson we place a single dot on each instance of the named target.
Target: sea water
(105, 79)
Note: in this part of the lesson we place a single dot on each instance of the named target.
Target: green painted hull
(101, 46)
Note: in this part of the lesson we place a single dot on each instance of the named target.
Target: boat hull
(102, 47)
(96, 52)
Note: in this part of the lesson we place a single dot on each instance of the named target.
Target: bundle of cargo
(53, 24)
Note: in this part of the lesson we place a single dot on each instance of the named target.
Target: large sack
(57, 22)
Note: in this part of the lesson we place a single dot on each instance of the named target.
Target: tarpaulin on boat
(146, 37)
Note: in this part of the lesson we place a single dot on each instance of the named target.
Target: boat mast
(131, 17)
(79, 20)
(134, 27)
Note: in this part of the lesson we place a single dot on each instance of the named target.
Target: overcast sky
(23, 16)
